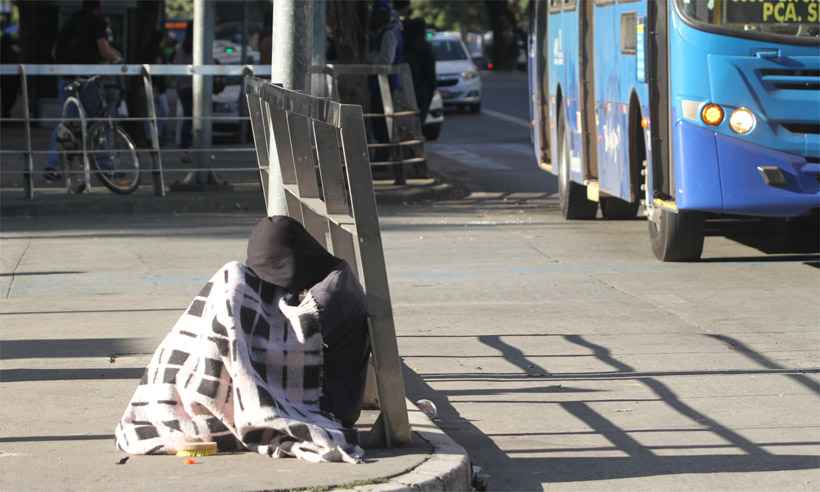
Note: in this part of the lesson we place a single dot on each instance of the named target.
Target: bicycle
(107, 146)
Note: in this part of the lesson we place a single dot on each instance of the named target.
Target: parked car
(435, 118)
(458, 79)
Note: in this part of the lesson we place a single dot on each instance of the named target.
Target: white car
(457, 76)
(434, 119)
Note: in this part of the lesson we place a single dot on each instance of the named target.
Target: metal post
(202, 178)
(157, 172)
(243, 50)
(292, 41)
(243, 60)
(203, 85)
(290, 64)
(28, 178)
(318, 85)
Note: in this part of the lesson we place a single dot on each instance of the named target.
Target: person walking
(422, 61)
(82, 41)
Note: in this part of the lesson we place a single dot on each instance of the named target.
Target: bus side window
(629, 35)
(555, 6)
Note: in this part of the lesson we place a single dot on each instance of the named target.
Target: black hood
(282, 252)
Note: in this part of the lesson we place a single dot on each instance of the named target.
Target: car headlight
(742, 121)
(469, 74)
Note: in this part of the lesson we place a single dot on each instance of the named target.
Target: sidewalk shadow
(512, 472)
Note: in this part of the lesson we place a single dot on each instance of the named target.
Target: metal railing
(314, 166)
(405, 140)
(146, 72)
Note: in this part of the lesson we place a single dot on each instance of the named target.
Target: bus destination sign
(772, 11)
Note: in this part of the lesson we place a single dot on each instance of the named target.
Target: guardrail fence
(404, 147)
(146, 72)
(314, 152)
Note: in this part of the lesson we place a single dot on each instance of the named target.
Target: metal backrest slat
(331, 169)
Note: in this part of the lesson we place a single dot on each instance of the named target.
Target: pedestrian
(422, 61)
(83, 40)
(185, 91)
(385, 47)
(9, 54)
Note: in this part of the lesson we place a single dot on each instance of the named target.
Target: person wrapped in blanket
(271, 356)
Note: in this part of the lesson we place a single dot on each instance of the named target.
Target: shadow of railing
(512, 471)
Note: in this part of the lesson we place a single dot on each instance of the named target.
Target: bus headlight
(712, 114)
(469, 74)
(742, 121)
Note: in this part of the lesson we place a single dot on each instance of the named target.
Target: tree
(347, 22)
(179, 9)
(505, 18)
(446, 15)
(505, 32)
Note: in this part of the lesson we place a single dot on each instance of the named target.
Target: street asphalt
(560, 355)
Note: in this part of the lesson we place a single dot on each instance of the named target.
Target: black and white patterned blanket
(241, 367)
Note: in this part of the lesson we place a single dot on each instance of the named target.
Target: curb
(242, 198)
(447, 469)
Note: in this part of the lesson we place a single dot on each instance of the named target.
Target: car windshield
(769, 17)
(448, 50)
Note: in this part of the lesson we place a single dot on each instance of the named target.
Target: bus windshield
(788, 19)
(448, 50)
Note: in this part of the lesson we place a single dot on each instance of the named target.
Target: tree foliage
(446, 15)
(507, 19)
(179, 9)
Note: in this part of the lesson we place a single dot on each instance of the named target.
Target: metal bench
(314, 167)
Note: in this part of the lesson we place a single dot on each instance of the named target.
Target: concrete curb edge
(447, 469)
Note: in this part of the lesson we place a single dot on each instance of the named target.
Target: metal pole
(318, 87)
(28, 178)
(243, 54)
(243, 50)
(156, 157)
(203, 86)
(290, 63)
(292, 42)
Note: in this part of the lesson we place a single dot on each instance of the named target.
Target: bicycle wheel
(115, 158)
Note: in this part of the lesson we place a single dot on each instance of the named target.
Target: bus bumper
(721, 174)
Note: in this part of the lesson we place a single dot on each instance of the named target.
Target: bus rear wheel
(616, 209)
(573, 196)
(676, 236)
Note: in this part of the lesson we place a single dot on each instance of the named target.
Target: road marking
(507, 118)
(518, 148)
(470, 159)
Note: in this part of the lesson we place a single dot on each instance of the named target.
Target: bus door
(541, 45)
(657, 78)
(586, 98)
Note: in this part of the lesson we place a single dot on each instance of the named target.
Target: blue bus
(691, 108)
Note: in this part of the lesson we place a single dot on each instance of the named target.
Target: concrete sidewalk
(87, 297)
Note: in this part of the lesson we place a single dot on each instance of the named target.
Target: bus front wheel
(676, 236)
